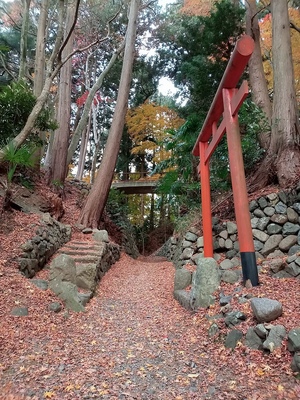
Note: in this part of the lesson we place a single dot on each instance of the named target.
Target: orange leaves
(193, 7)
(266, 46)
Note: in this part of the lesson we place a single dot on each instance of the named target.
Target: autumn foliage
(266, 46)
(149, 126)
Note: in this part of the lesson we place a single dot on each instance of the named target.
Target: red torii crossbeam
(226, 103)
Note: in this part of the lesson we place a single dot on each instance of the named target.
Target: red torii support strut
(226, 103)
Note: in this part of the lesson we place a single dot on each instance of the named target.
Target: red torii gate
(226, 103)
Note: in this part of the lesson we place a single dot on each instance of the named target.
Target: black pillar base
(249, 267)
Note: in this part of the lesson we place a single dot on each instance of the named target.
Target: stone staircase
(77, 269)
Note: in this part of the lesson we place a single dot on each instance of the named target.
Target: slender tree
(285, 118)
(96, 200)
(58, 163)
(24, 36)
(259, 89)
(282, 159)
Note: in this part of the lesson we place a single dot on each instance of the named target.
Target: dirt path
(134, 342)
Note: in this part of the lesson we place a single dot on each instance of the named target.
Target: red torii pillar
(227, 102)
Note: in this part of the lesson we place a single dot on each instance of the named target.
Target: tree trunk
(24, 37)
(87, 106)
(259, 89)
(58, 167)
(285, 118)
(39, 65)
(282, 160)
(41, 100)
(39, 68)
(82, 154)
(96, 200)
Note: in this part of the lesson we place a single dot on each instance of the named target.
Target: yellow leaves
(266, 47)
(49, 395)
(93, 342)
(130, 355)
(71, 387)
(193, 375)
(232, 385)
(260, 372)
(280, 388)
(103, 392)
(148, 126)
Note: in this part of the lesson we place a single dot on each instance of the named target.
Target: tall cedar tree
(94, 206)
(282, 160)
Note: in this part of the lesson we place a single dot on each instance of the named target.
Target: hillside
(134, 341)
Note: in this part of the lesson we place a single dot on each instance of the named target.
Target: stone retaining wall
(50, 236)
(275, 220)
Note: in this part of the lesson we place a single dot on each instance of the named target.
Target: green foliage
(56, 183)
(117, 206)
(16, 103)
(185, 221)
(252, 122)
(21, 157)
(195, 51)
(180, 179)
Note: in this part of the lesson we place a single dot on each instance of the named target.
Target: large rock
(294, 340)
(271, 244)
(293, 269)
(19, 311)
(231, 227)
(279, 219)
(86, 276)
(290, 229)
(183, 298)
(183, 278)
(230, 276)
(226, 264)
(260, 235)
(232, 338)
(187, 253)
(295, 366)
(191, 237)
(292, 215)
(288, 242)
(206, 281)
(266, 310)
(274, 339)
(234, 318)
(67, 292)
(100, 235)
(252, 340)
(63, 268)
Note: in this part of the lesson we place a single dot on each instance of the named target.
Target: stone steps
(83, 264)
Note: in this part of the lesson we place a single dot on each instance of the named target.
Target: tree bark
(58, 165)
(285, 118)
(51, 72)
(83, 148)
(24, 37)
(259, 89)
(96, 200)
(39, 69)
(282, 160)
(87, 106)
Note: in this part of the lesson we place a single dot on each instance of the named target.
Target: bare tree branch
(293, 26)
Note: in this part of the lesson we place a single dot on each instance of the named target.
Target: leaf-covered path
(134, 342)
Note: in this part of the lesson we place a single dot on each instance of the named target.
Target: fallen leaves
(135, 341)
